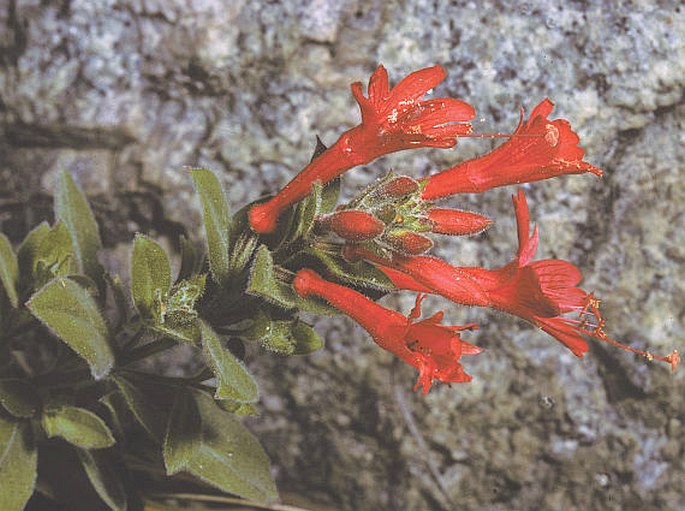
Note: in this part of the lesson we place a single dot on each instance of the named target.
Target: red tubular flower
(538, 149)
(353, 225)
(392, 120)
(426, 272)
(455, 222)
(540, 292)
(430, 347)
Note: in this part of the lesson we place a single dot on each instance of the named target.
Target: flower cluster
(388, 226)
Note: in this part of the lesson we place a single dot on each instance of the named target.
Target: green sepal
(318, 150)
(102, 474)
(18, 463)
(183, 433)
(230, 457)
(233, 380)
(9, 270)
(72, 314)
(19, 398)
(78, 426)
(72, 208)
(150, 278)
(217, 220)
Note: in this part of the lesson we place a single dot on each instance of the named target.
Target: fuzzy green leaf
(259, 325)
(233, 380)
(9, 270)
(263, 281)
(230, 457)
(143, 407)
(360, 273)
(104, 478)
(78, 426)
(26, 254)
(18, 460)
(46, 253)
(72, 314)
(306, 213)
(217, 221)
(72, 208)
(19, 398)
(191, 258)
(183, 434)
(179, 329)
(150, 277)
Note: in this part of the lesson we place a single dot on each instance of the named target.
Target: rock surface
(124, 93)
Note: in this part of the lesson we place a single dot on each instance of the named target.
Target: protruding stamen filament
(596, 331)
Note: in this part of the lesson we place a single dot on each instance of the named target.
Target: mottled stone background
(123, 93)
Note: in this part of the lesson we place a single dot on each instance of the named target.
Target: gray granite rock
(124, 93)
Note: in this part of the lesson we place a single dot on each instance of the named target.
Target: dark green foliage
(87, 406)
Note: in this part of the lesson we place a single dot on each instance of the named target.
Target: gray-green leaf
(150, 276)
(77, 426)
(263, 282)
(217, 219)
(26, 254)
(144, 409)
(229, 457)
(53, 256)
(72, 314)
(9, 270)
(102, 475)
(19, 398)
(72, 208)
(233, 380)
(18, 459)
(184, 433)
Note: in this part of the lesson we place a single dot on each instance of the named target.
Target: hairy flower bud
(408, 242)
(456, 222)
(353, 225)
(398, 187)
